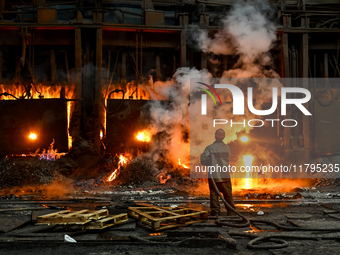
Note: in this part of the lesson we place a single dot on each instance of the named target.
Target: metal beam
(0, 66)
(98, 100)
(76, 116)
(150, 40)
(53, 66)
(158, 67)
(304, 74)
(286, 131)
(49, 36)
(325, 65)
(183, 48)
(304, 56)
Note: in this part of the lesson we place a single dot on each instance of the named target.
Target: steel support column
(183, 48)
(98, 100)
(304, 74)
(325, 65)
(122, 78)
(158, 67)
(286, 55)
(76, 122)
(0, 66)
(53, 66)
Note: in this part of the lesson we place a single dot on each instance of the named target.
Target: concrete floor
(312, 210)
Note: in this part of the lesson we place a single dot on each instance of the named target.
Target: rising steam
(248, 34)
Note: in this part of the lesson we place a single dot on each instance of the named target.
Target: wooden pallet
(108, 221)
(83, 219)
(166, 217)
(69, 217)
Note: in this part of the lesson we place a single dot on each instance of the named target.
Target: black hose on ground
(245, 222)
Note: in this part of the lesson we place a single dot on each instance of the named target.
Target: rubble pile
(138, 171)
(271, 196)
(25, 171)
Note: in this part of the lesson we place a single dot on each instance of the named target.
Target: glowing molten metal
(32, 136)
(144, 136)
(115, 173)
(248, 162)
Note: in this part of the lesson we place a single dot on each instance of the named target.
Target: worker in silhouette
(215, 154)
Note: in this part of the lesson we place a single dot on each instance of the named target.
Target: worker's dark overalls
(215, 154)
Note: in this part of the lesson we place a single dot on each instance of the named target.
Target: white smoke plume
(246, 33)
(173, 119)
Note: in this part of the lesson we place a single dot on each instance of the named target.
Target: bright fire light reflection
(32, 136)
(247, 163)
(244, 139)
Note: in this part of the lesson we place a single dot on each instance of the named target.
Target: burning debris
(144, 136)
(139, 170)
(122, 162)
(49, 155)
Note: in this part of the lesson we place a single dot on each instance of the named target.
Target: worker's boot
(214, 214)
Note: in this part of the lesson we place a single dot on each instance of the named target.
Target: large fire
(122, 161)
(130, 92)
(41, 91)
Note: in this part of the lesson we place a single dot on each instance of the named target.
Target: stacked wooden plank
(86, 218)
(160, 218)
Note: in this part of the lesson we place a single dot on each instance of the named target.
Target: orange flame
(122, 161)
(163, 179)
(129, 90)
(50, 155)
(47, 92)
(182, 165)
(144, 136)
